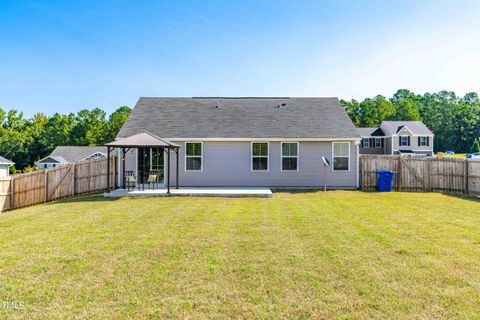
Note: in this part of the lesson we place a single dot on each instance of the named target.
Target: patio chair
(152, 179)
(130, 180)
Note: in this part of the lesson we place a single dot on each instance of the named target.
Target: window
(366, 142)
(260, 156)
(290, 156)
(341, 156)
(378, 142)
(193, 156)
(404, 141)
(423, 141)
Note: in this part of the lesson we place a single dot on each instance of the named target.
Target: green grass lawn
(340, 254)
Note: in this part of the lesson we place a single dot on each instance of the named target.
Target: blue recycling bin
(384, 181)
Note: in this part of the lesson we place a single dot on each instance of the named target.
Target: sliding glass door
(150, 160)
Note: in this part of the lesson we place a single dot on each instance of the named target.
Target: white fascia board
(265, 139)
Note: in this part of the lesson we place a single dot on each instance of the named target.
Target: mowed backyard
(339, 254)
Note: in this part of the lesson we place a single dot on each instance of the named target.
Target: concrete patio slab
(193, 192)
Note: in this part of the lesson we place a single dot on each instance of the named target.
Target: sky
(64, 56)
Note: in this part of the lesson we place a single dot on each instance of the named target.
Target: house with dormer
(397, 137)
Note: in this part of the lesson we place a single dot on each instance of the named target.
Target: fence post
(360, 166)
(399, 175)
(429, 174)
(46, 185)
(74, 178)
(12, 194)
(465, 175)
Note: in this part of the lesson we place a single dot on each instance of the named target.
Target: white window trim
(282, 156)
(379, 142)
(404, 128)
(400, 141)
(201, 157)
(363, 141)
(333, 157)
(251, 156)
(426, 141)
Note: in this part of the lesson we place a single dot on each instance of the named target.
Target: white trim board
(265, 139)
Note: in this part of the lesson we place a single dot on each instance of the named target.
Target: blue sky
(62, 56)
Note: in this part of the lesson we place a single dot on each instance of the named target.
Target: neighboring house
(397, 137)
(63, 155)
(232, 142)
(5, 165)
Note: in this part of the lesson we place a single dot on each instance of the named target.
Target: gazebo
(138, 141)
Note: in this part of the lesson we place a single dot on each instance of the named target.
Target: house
(397, 137)
(243, 142)
(5, 165)
(63, 155)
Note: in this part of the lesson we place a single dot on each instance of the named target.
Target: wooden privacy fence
(35, 187)
(428, 174)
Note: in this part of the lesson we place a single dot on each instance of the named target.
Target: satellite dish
(326, 162)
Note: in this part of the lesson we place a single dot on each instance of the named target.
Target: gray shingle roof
(393, 127)
(240, 118)
(50, 159)
(370, 132)
(5, 161)
(74, 153)
(143, 139)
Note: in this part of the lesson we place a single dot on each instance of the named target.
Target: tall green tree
(90, 128)
(115, 122)
(25, 141)
(58, 131)
(454, 120)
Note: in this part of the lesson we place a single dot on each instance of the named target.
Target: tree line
(26, 140)
(454, 120)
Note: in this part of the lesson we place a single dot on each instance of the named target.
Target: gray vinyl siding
(130, 163)
(413, 145)
(228, 164)
(388, 145)
(3, 171)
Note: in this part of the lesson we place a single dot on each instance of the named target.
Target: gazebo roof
(143, 139)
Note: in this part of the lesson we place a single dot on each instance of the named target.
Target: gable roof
(69, 154)
(143, 139)
(172, 118)
(370, 132)
(6, 161)
(394, 127)
(53, 159)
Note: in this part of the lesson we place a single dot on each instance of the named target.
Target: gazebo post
(108, 169)
(140, 141)
(123, 168)
(176, 183)
(168, 170)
